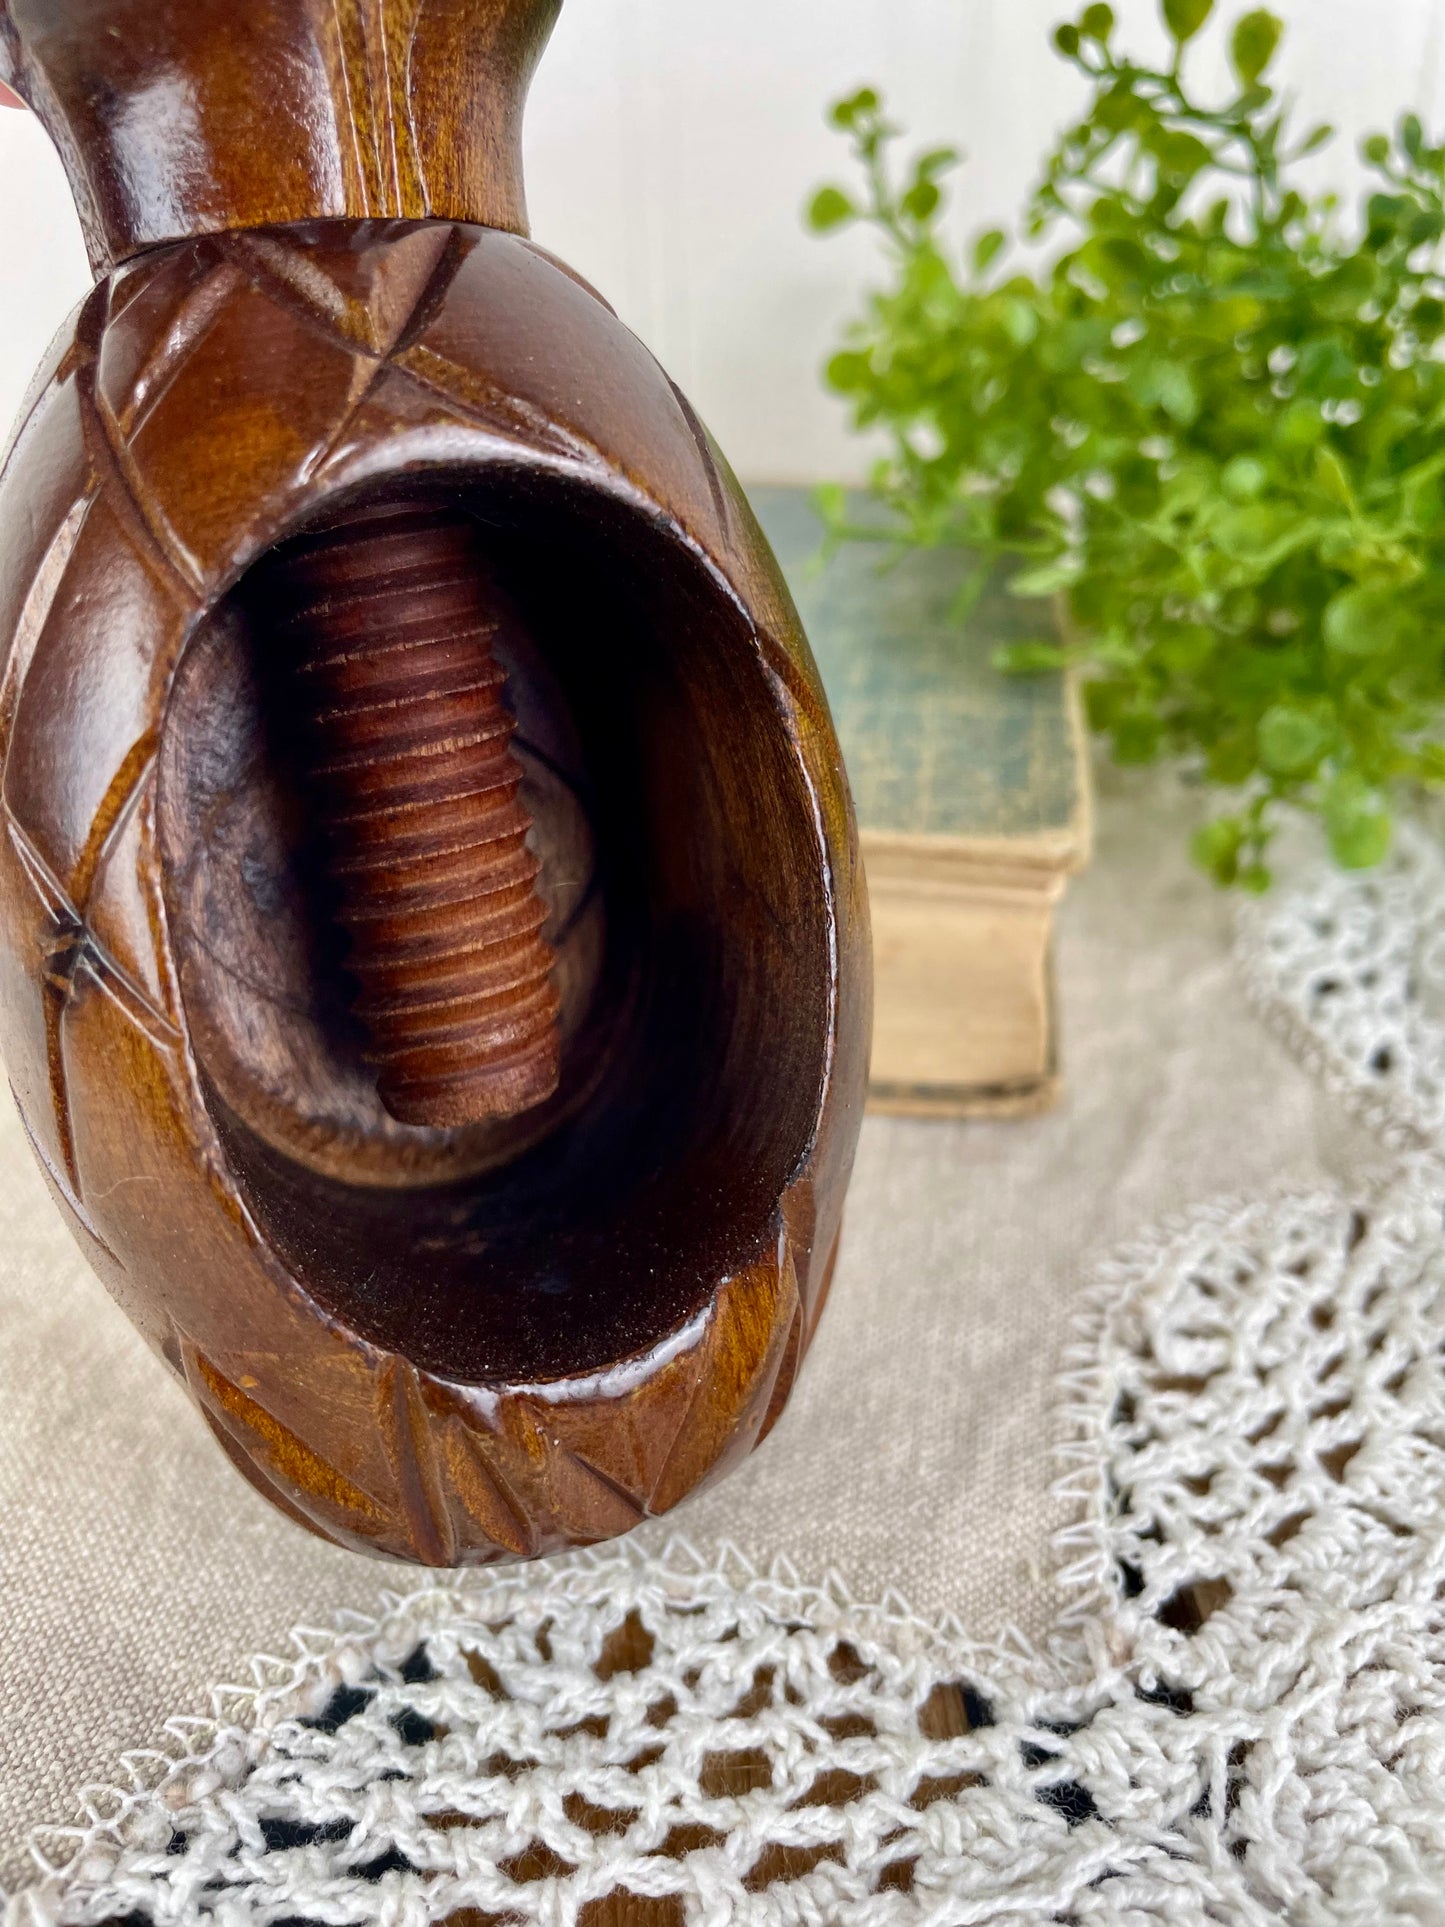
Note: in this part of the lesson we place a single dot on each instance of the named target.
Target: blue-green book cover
(939, 743)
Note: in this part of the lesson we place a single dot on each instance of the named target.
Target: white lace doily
(1350, 966)
(1247, 1723)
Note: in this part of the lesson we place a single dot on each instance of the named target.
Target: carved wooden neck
(184, 117)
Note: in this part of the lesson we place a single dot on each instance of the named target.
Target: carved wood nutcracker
(433, 952)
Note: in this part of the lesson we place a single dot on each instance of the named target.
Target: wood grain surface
(384, 620)
(182, 117)
(448, 1342)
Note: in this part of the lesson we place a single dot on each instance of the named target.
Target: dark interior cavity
(690, 911)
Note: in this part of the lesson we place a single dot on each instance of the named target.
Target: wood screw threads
(388, 617)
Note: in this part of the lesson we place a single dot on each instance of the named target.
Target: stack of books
(973, 804)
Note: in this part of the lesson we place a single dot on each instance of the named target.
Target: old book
(973, 804)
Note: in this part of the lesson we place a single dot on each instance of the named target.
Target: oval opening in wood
(680, 861)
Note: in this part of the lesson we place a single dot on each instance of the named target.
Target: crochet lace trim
(1248, 1721)
(1350, 969)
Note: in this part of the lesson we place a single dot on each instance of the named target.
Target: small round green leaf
(1300, 426)
(1246, 531)
(937, 160)
(1244, 478)
(1253, 45)
(848, 111)
(1232, 758)
(1066, 39)
(1184, 648)
(830, 499)
(987, 248)
(1357, 822)
(1121, 108)
(921, 200)
(1097, 22)
(830, 208)
(847, 372)
(1216, 849)
(1362, 622)
(1020, 321)
(1167, 385)
(1182, 156)
(1291, 741)
(1184, 18)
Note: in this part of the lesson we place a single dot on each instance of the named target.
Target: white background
(671, 145)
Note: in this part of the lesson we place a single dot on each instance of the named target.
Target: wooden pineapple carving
(433, 952)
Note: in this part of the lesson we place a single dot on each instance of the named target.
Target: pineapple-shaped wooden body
(433, 952)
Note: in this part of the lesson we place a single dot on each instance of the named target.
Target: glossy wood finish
(388, 617)
(449, 1342)
(184, 117)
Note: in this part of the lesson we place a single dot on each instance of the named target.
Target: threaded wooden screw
(388, 616)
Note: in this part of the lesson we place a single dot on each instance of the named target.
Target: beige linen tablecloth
(137, 1570)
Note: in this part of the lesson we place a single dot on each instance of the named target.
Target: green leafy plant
(1214, 423)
